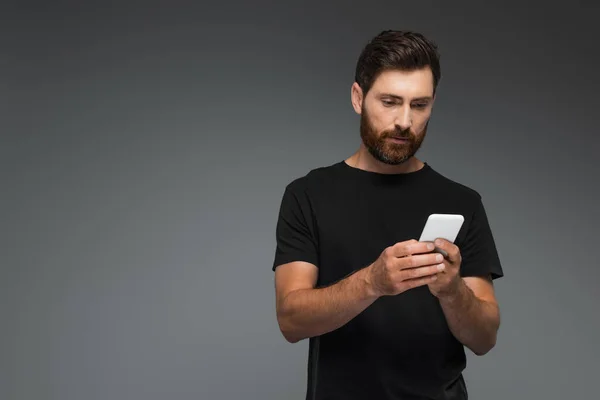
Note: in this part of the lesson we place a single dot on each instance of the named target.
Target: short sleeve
(295, 231)
(478, 251)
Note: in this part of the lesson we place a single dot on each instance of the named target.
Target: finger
(419, 260)
(416, 273)
(441, 251)
(446, 248)
(403, 249)
(426, 280)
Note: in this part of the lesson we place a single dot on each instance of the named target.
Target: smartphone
(445, 226)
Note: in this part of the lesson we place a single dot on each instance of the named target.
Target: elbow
(484, 348)
(287, 329)
(290, 337)
(481, 351)
(487, 344)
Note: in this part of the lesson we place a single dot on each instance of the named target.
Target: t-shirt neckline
(382, 177)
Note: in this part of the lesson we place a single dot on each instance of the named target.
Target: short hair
(396, 50)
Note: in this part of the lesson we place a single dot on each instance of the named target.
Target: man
(386, 317)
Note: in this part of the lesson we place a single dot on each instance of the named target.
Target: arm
(473, 314)
(465, 290)
(304, 311)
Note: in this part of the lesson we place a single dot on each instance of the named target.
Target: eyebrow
(427, 98)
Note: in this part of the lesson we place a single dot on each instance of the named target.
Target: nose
(404, 118)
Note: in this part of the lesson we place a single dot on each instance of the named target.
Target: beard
(384, 150)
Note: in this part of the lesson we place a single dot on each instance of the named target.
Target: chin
(392, 159)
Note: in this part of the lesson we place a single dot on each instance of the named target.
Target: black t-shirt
(341, 218)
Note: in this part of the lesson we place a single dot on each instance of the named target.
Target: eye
(420, 105)
(387, 103)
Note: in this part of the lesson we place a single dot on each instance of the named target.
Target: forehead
(407, 84)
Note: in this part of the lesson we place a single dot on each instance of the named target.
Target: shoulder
(302, 194)
(455, 186)
(315, 179)
(456, 193)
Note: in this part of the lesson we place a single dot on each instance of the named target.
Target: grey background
(144, 154)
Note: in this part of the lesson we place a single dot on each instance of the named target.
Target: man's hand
(448, 282)
(404, 266)
(468, 303)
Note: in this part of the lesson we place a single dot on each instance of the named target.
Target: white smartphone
(445, 226)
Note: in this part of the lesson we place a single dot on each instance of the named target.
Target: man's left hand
(448, 281)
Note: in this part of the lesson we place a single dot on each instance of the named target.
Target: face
(395, 114)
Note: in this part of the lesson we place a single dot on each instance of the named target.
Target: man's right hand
(404, 266)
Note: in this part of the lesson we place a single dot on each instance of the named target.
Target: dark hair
(396, 50)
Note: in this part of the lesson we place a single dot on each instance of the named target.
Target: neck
(362, 159)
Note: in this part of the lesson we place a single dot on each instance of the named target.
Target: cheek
(420, 121)
(383, 121)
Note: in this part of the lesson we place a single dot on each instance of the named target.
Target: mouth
(398, 139)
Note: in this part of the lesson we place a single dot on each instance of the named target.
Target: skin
(398, 104)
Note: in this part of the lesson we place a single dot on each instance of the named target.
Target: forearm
(306, 313)
(472, 321)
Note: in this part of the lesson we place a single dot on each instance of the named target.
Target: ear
(356, 97)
